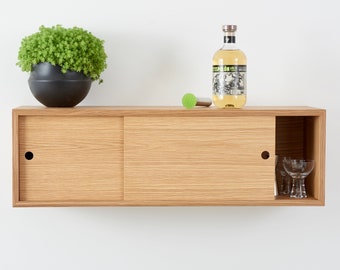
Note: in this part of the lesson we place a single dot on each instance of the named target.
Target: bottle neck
(229, 41)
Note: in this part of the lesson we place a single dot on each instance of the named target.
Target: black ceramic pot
(53, 88)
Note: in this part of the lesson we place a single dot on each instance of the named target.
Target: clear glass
(283, 179)
(298, 169)
(229, 82)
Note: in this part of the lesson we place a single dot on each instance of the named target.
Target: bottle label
(229, 39)
(229, 80)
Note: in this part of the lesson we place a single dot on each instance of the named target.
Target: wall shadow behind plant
(142, 70)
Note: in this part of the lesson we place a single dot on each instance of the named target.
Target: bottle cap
(229, 28)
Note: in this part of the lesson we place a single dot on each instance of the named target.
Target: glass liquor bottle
(229, 72)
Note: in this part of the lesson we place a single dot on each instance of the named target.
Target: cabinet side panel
(315, 149)
(70, 158)
(199, 159)
(15, 157)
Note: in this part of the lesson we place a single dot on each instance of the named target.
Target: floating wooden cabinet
(162, 155)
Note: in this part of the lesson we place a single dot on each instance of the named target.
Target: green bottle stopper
(189, 101)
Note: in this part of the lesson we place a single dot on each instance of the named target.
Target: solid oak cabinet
(111, 156)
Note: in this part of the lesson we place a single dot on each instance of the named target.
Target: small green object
(189, 101)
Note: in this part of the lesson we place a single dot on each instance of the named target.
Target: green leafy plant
(73, 49)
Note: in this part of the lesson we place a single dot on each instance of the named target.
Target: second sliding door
(206, 159)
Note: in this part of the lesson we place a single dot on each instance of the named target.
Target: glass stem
(298, 188)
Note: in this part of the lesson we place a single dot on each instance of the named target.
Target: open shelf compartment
(302, 137)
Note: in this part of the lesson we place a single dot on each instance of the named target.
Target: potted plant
(62, 63)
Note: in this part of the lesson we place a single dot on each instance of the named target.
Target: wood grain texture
(169, 111)
(187, 158)
(75, 158)
(103, 156)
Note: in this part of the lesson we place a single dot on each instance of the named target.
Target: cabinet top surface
(168, 110)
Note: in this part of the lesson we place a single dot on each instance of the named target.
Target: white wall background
(158, 50)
